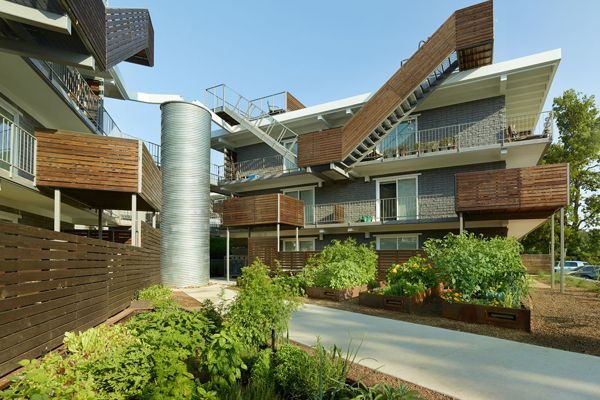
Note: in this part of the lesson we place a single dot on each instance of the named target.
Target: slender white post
(297, 240)
(134, 219)
(57, 210)
(100, 223)
(154, 219)
(562, 250)
(552, 251)
(227, 255)
(278, 244)
(461, 223)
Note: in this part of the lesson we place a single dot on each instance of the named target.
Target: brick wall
(259, 150)
(488, 119)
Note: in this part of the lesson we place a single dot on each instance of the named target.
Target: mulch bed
(563, 321)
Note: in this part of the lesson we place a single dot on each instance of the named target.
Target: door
(407, 198)
(308, 197)
(293, 146)
(398, 199)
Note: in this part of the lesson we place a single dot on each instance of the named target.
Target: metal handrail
(405, 208)
(468, 135)
(17, 149)
(255, 168)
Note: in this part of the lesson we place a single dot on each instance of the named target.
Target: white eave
(524, 82)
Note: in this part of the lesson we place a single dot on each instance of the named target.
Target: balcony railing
(463, 136)
(17, 149)
(89, 103)
(399, 209)
(256, 168)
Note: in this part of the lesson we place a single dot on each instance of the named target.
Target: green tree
(578, 121)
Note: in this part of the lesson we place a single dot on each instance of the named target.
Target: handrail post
(12, 150)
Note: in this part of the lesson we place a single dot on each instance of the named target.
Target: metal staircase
(235, 109)
(402, 112)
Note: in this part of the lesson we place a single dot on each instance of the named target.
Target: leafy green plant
(341, 265)
(416, 270)
(488, 269)
(261, 306)
(404, 288)
(160, 296)
(223, 361)
(378, 392)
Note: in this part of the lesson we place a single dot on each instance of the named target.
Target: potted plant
(341, 271)
(403, 150)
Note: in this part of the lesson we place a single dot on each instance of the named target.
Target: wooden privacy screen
(263, 210)
(468, 31)
(53, 282)
(537, 191)
(536, 263)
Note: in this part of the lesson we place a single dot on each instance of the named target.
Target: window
(306, 244)
(398, 242)
(401, 141)
(293, 146)
(397, 198)
(308, 196)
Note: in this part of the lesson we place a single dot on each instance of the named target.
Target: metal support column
(461, 223)
(562, 250)
(134, 220)
(297, 240)
(154, 219)
(552, 251)
(57, 210)
(278, 233)
(100, 227)
(227, 255)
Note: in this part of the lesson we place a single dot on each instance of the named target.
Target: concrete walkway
(462, 365)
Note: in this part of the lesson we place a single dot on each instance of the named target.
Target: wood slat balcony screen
(537, 190)
(266, 209)
(54, 282)
(99, 171)
(468, 31)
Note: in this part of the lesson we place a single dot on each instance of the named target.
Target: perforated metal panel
(185, 228)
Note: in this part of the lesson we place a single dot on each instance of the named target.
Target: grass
(570, 281)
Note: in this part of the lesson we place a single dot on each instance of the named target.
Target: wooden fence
(536, 263)
(54, 282)
(294, 261)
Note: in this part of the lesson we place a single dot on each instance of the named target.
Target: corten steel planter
(513, 318)
(334, 294)
(407, 304)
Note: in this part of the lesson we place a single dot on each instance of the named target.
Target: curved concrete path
(459, 364)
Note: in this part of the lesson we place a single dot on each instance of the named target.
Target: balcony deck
(267, 209)
(99, 171)
(532, 192)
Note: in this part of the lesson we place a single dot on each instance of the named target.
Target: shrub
(260, 307)
(404, 288)
(379, 392)
(416, 270)
(160, 296)
(480, 269)
(341, 265)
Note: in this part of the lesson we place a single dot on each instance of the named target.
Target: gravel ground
(569, 321)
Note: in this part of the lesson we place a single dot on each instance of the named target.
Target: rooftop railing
(17, 149)
(406, 141)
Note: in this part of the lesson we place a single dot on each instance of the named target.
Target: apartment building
(63, 159)
(451, 142)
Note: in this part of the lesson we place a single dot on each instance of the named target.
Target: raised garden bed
(513, 318)
(335, 294)
(407, 304)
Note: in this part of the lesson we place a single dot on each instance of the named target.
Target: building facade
(451, 142)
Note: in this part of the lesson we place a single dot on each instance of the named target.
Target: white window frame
(314, 198)
(388, 179)
(284, 143)
(397, 236)
(300, 239)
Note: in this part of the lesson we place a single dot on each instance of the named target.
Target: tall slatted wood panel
(53, 282)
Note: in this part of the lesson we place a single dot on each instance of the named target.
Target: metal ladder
(235, 108)
(401, 113)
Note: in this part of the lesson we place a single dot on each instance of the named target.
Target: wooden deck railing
(54, 282)
(532, 190)
(267, 209)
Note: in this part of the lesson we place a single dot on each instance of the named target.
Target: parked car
(587, 271)
(570, 265)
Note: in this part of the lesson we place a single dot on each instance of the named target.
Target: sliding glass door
(398, 199)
